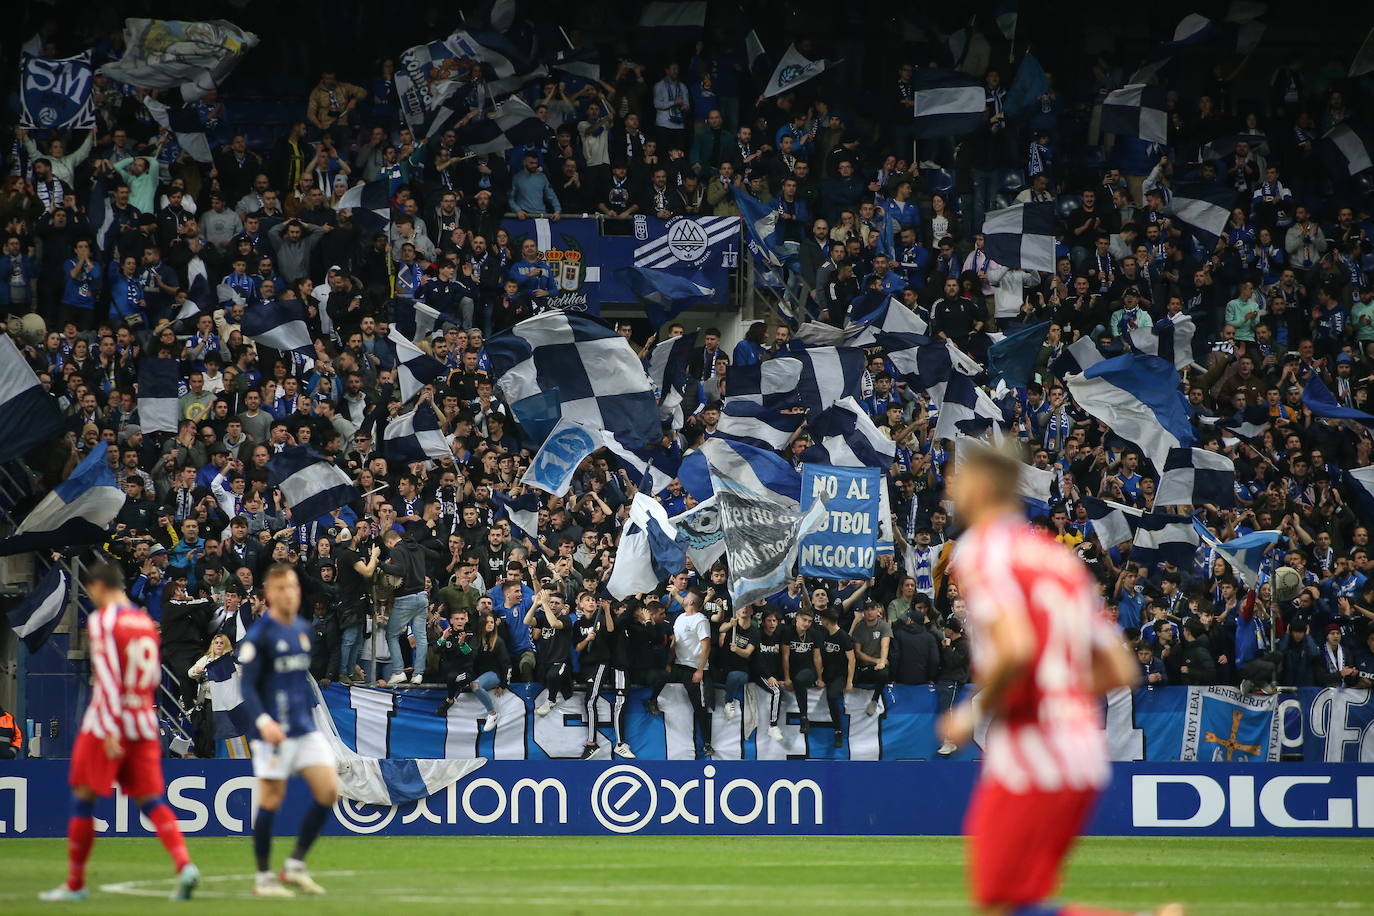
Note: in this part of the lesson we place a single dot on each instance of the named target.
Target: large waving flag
(1021, 236)
(415, 319)
(168, 53)
(232, 719)
(554, 465)
(923, 362)
(414, 367)
(159, 381)
(1196, 477)
(512, 123)
(55, 93)
(759, 468)
(279, 325)
(522, 510)
(1137, 110)
(698, 531)
(665, 294)
(760, 223)
(649, 551)
(1013, 358)
(667, 363)
(28, 415)
(1245, 553)
(1204, 208)
(966, 410)
(1137, 397)
(760, 523)
(641, 463)
(1317, 398)
(370, 203)
(311, 484)
(185, 125)
(600, 380)
(34, 618)
(1112, 522)
(947, 104)
(79, 510)
(1169, 338)
(1164, 538)
(415, 436)
(814, 379)
(845, 436)
(753, 424)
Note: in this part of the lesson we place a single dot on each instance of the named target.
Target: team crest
(687, 240)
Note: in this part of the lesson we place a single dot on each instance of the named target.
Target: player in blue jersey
(275, 654)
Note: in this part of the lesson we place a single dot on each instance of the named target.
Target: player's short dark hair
(104, 571)
(276, 571)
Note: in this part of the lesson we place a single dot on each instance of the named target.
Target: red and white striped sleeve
(105, 697)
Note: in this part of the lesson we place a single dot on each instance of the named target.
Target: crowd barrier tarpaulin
(1212, 724)
(708, 798)
(583, 252)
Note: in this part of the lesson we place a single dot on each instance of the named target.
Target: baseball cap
(343, 536)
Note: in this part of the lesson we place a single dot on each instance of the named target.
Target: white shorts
(282, 761)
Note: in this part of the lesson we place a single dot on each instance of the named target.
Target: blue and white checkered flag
(599, 377)
(1021, 236)
(1195, 477)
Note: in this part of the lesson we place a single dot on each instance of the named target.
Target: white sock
(295, 865)
(264, 876)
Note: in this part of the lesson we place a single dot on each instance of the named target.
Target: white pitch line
(146, 887)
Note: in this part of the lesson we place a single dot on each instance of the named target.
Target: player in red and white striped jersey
(119, 734)
(1042, 655)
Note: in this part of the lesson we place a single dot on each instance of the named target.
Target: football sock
(311, 825)
(80, 839)
(168, 832)
(262, 838)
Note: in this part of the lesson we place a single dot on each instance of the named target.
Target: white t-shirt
(688, 632)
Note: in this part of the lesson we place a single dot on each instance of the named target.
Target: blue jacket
(531, 191)
(28, 268)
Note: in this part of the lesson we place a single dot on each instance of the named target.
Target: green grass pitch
(665, 874)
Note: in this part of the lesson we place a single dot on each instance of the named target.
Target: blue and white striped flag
(756, 468)
(747, 422)
(1164, 538)
(638, 462)
(1170, 339)
(312, 485)
(1195, 477)
(79, 510)
(966, 410)
(1111, 522)
(1245, 554)
(522, 510)
(232, 719)
(415, 319)
(28, 415)
(370, 204)
(649, 551)
(845, 436)
(947, 104)
(279, 325)
(1204, 208)
(34, 618)
(1137, 397)
(664, 293)
(158, 402)
(414, 367)
(415, 436)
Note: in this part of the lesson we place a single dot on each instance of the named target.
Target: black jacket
(408, 560)
(916, 655)
(186, 624)
(954, 665)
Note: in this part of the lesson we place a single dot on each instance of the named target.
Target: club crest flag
(1225, 726)
(56, 93)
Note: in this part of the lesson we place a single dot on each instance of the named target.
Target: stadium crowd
(425, 575)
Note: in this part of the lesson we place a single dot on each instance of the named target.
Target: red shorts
(1016, 843)
(138, 770)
